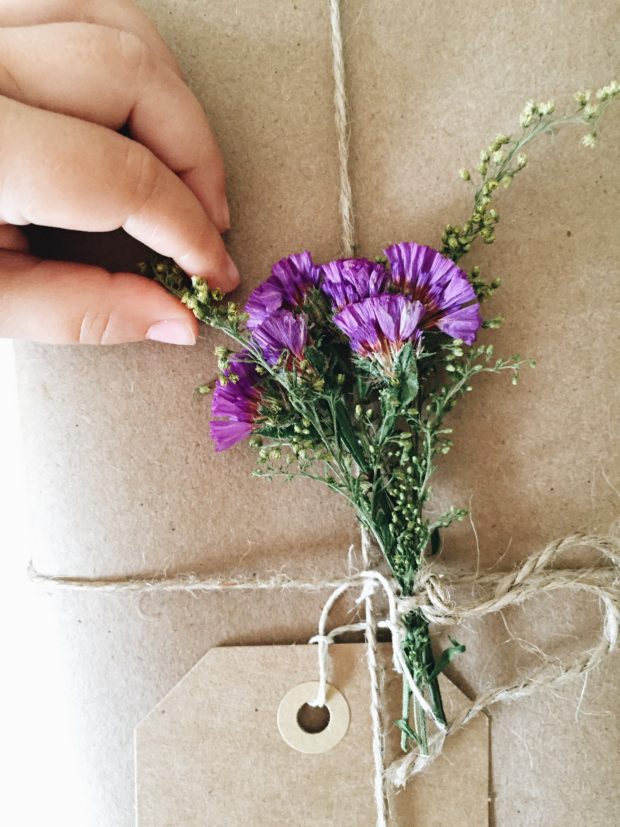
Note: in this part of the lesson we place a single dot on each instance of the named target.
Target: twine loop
(499, 590)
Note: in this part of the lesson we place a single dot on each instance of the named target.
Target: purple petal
(265, 300)
(416, 268)
(398, 317)
(282, 331)
(236, 402)
(228, 432)
(357, 322)
(461, 323)
(350, 280)
(291, 278)
(380, 323)
(296, 272)
(441, 286)
(458, 291)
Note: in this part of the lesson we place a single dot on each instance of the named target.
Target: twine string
(433, 594)
(373, 674)
(342, 133)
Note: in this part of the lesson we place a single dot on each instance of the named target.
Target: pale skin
(72, 73)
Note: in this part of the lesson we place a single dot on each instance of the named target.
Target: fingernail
(232, 272)
(172, 332)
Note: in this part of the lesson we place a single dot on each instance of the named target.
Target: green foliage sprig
(504, 158)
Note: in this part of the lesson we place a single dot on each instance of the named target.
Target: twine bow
(433, 596)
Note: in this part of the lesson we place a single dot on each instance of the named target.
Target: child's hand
(71, 74)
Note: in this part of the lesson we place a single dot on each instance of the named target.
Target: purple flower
(352, 279)
(381, 325)
(235, 403)
(281, 331)
(291, 278)
(443, 288)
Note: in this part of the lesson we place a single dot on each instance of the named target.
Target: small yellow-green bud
(589, 111)
(521, 160)
(465, 174)
(493, 324)
(527, 116)
(589, 140)
(582, 97)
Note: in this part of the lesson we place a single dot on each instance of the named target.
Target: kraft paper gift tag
(225, 747)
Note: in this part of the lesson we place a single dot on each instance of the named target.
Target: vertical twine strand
(348, 250)
(342, 131)
(373, 673)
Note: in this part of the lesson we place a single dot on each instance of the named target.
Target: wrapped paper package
(123, 479)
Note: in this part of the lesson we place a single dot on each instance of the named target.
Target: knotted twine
(433, 588)
(433, 596)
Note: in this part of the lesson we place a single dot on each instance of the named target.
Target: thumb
(64, 303)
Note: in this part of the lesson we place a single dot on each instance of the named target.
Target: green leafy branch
(504, 158)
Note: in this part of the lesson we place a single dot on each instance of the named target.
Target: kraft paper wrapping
(123, 479)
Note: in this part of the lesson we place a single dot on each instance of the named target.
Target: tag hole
(313, 719)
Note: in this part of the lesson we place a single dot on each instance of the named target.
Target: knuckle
(94, 327)
(9, 84)
(142, 175)
(138, 59)
(96, 319)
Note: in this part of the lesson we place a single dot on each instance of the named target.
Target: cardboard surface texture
(121, 473)
(210, 752)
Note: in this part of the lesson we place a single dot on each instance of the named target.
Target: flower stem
(420, 659)
(419, 717)
(404, 738)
